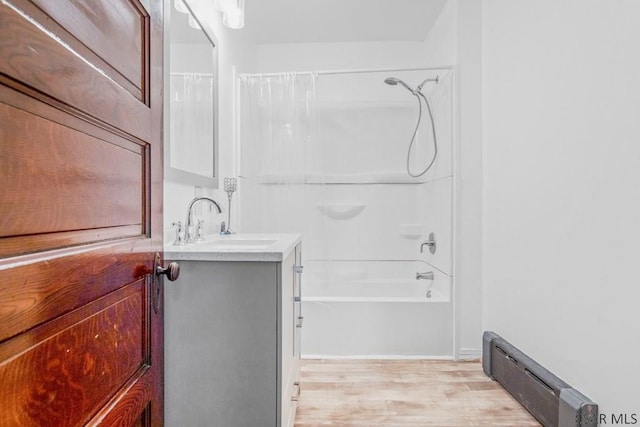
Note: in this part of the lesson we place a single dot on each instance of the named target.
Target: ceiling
(322, 21)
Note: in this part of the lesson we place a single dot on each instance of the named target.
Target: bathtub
(375, 309)
(378, 290)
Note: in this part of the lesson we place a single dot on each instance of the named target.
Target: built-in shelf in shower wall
(341, 178)
(412, 231)
(364, 178)
(329, 106)
(341, 211)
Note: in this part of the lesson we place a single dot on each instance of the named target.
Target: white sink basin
(240, 243)
(269, 247)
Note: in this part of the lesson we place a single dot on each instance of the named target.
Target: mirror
(191, 101)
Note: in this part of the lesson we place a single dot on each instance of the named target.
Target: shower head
(394, 81)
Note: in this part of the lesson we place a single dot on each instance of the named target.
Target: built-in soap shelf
(341, 105)
(412, 231)
(342, 178)
(341, 211)
(364, 178)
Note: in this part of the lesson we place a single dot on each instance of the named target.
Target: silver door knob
(172, 271)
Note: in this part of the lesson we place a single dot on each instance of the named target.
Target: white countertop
(236, 247)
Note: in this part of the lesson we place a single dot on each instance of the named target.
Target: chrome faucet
(427, 276)
(189, 223)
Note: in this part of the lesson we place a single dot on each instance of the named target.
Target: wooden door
(80, 212)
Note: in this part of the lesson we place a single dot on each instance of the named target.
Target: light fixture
(232, 12)
(180, 6)
(223, 5)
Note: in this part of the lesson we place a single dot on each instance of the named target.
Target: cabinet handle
(298, 298)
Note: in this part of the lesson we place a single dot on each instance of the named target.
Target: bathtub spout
(427, 276)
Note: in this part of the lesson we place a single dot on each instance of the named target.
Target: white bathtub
(379, 290)
(375, 309)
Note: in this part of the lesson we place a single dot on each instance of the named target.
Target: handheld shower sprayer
(394, 81)
(417, 92)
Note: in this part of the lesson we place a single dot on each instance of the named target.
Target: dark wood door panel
(81, 181)
(117, 31)
(130, 407)
(63, 163)
(80, 360)
(35, 289)
(35, 56)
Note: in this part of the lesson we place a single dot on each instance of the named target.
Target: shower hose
(419, 94)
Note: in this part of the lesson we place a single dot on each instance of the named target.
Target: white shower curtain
(192, 122)
(277, 137)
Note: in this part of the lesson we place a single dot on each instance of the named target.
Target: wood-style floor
(392, 393)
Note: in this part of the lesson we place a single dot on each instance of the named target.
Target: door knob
(172, 271)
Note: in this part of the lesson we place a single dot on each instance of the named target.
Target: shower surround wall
(332, 165)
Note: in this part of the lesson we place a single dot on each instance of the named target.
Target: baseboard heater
(549, 399)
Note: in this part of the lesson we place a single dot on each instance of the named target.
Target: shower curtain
(277, 137)
(192, 122)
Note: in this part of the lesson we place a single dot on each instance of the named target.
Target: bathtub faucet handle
(427, 275)
(431, 243)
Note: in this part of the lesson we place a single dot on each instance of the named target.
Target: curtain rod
(355, 71)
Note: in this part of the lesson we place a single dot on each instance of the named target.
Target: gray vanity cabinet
(232, 347)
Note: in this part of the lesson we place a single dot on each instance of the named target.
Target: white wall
(236, 52)
(440, 46)
(562, 189)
